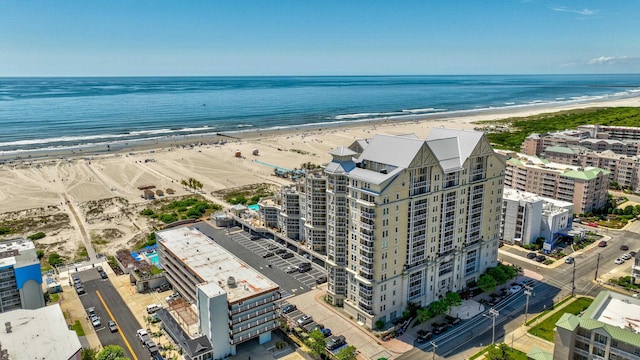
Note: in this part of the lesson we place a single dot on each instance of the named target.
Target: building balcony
(623, 354)
(237, 339)
(370, 215)
(253, 314)
(247, 326)
(366, 226)
(252, 305)
(6, 274)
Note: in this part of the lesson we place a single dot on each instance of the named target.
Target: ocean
(39, 114)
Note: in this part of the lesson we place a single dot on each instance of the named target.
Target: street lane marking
(114, 319)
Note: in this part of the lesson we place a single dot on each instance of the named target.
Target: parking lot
(279, 270)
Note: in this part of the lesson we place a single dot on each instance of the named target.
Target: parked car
(632, 253)
(91, 311)
(268, 254)
(272, 247)
(291, 269)
(76, 279)
(624, 247)
(306, 319)
(173, 297)
(541, 258)
(99, 268)
(254, 237)
(286, 255)
(95, 320)
(164, 287)
(289, 308)
(153, 308)
(326, 332)
(304, 267)
(626, 256)
(569, 260)
(80, 289)
(515, 289)
(619, 261)
(335, 342)
(452, 321)
(103, 275)
(423, 338)
(531, 255)
(602, 244)
(439, 328)
(113, 327)
(280, 251)
(321, 279)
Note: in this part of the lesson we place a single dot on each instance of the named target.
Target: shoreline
(256, 134)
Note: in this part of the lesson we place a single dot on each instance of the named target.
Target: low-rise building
(20, 276)
(527, 216)
(608, 329)
(22, 335)
(234, 302)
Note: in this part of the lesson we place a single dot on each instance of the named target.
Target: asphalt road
(251, 251)
(108, 304)
(477, 331)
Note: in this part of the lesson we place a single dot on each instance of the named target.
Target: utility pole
(573, 278)
(434, 349)
(493, 314)
(527, 291)
(597, 264)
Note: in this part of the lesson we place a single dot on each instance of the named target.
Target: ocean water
(55, 113)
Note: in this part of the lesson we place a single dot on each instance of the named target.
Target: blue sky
(304, 37)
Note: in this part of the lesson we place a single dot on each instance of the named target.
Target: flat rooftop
(38, 334)
(214, 265)
(619, 311)
(17, 252)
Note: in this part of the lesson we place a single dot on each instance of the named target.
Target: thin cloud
(584, 12)
(614, 60)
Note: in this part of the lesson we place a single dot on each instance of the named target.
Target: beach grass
(546, 329)
(521, 127)
(77, 327)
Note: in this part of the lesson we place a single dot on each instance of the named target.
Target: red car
(602, 244)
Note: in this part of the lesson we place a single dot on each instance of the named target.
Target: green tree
(498, 274)
(438, 307)
(111, 352)
(40, 254)
(423, 316)
(487, 283)
(380, 324)
(88, 354)
(452, 299)
(347, 353)
(316, 342)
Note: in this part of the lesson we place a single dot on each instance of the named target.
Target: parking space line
(133, 354)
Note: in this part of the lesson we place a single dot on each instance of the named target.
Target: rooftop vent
(231, 281)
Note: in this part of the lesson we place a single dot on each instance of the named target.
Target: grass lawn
(546, 328)
(77, 327)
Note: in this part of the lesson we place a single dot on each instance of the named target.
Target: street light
(527, 291)
(434, 349)
(493, 314)
(597, 264)
(573, 279)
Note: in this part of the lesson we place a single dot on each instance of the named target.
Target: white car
(514, 289)
(626, 257)
(619, 261)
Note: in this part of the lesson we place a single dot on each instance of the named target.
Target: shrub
(5, 231)
(147, 212)
(36, 236)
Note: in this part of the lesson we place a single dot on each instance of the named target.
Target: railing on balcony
(244, 327)
(240, 309)
(242, 318)
(248, 336)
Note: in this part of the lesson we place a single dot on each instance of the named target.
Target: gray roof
(447, 152)
(373, 177)
(342, 151)
(467, 140)
(398, 151)
(339, 167)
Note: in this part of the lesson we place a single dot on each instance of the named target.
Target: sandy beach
(52, 185)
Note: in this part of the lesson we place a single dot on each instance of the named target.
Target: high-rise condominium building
(20, 276)
(402, 219)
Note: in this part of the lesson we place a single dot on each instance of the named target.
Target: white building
(527, 216)
(38, 334)
(234, 302)
(405, 219)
